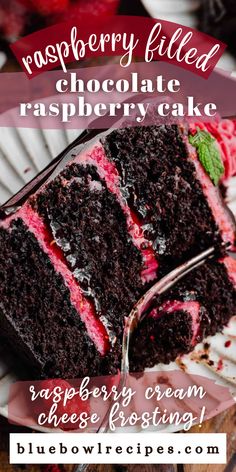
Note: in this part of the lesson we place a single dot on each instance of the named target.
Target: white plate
(183, 12)
(23, 153)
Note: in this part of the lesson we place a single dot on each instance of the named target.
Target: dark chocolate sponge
(36, 314)
(90, 227)
(160, 185)
(161, 340)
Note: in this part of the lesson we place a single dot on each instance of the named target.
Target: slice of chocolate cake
(77, 255)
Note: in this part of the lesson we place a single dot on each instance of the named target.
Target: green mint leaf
(200, 137)
(208, 153)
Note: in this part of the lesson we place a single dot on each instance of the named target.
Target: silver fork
(138, 314)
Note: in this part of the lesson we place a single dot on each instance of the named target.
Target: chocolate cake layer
(166, 333)
(159, 181)
(162, 340)
(89, 226)
(37, 316)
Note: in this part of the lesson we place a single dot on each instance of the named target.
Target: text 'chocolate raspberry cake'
(78, 254)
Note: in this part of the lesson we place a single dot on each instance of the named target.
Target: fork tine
(135, 315)
(173, 276)
(159, 287)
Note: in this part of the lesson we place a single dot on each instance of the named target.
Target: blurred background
(21, 17)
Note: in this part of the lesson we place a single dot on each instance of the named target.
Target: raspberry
(51, 468)
(27, 3)
(89, 9)
(12, 20)
(46, 8)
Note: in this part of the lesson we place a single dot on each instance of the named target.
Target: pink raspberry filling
(230, 265)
